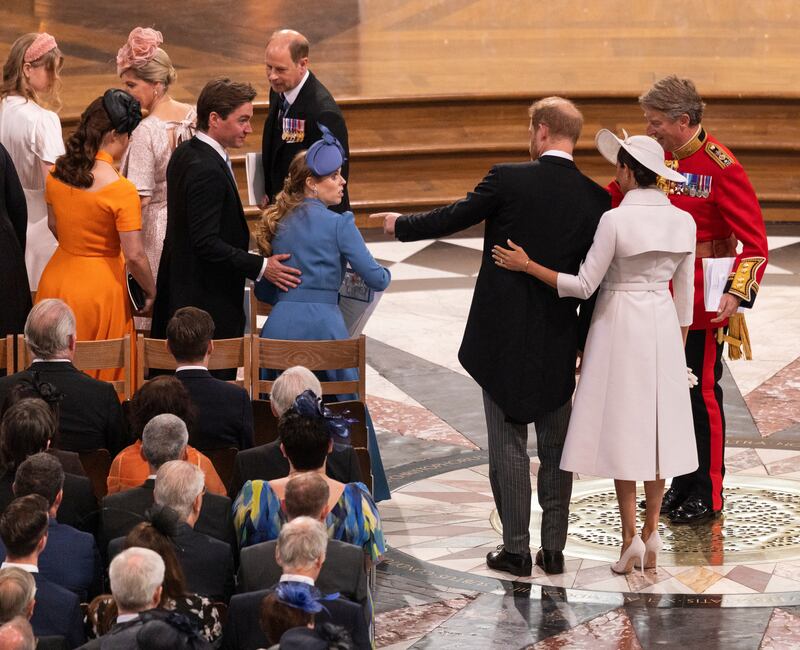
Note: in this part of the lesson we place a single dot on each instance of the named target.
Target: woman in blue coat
(321, 243)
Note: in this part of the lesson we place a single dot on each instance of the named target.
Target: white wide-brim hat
(643, 148)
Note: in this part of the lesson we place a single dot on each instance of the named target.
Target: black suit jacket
(314, 104)
(205, 260)
(78, 506)
(123, 510)
(342, 571)
(266, 462)
(15, 292)
(243, 632)
(57, 613)
(224, 414)
(521, 339)
(90, 415)
(207, 562)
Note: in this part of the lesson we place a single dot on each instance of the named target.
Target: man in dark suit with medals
(298, 103)
(521, 340)
(205, 260)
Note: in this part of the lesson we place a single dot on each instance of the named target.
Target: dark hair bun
(164, 519)
(123, 110)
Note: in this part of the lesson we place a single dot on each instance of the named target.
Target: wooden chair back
(95, 355)
(257, 308)
(7, 355)
(364, 465)
(228, 353)
(314, 355)
(265, 424)
(97, 464)
(223, 460)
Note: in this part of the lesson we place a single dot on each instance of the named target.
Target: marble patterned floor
(435, 591)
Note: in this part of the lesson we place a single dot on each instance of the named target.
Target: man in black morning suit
(521, 339)
(298, 102)
(90, 415)
(205, 261)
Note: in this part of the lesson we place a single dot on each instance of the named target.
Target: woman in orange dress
(95, 215)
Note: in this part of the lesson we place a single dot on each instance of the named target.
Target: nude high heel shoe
(628, 560)
(652, 547)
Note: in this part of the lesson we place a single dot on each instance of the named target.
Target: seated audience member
(307, 496)
(301, 554)
(163, 440)
(17, 594)
(162, 395)
(266, 462)
(90, 412)
(70, 558)
(23, 529)
(206, 562)
(224, 413)
(159, 535)
(17, 634)
(70, 460)
(26, 429)
(137, 576)
(306, 440)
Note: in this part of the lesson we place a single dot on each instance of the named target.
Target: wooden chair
(97, 464)
(257, 308)
(314, 355)
(365, 466)
(96, 355)
(228, 353)
(265, 424)
(223, 460)
(7, 355)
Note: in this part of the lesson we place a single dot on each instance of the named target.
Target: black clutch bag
(135, 292)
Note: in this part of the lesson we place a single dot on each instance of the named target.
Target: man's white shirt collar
(293, 577)
(30, 568)
(291, 95)
(211, 142)
(179, 368)
(37, 360)
(558, 154)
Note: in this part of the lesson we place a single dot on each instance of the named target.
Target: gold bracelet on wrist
(525, 270)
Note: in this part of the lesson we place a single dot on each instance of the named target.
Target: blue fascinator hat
(325, 156)
(302, 596)
(309, 405)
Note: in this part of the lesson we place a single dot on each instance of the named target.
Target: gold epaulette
(719, 155)
(743, 281)
(737, 338)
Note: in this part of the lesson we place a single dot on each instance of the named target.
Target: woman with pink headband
(147, 73)
(32, 134)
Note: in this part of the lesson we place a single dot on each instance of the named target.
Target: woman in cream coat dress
(632, 419)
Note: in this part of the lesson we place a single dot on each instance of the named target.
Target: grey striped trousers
(509, 474)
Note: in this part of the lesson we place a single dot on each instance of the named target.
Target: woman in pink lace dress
(147, 73)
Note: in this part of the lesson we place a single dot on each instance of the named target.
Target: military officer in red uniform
(722, 201)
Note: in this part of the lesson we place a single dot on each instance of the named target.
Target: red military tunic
(723, 203)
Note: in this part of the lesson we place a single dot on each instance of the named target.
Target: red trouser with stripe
(704, 357)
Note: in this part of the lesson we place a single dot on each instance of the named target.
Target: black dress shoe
(518, 564)
(692, 511)
(550, 561)
(672, 499)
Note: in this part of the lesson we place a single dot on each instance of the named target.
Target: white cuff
(263, 269)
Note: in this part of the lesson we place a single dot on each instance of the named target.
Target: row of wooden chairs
(251, 353)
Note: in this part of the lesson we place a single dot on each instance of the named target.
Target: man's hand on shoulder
(282, 276)
(389, 219)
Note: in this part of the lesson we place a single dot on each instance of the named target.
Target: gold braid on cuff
(743, 282)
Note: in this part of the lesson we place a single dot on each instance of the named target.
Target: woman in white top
(147, 73)
(32, 134)
(632, 418)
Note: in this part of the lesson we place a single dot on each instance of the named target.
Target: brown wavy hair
(75, 166)
(14, 81)
(288, 199)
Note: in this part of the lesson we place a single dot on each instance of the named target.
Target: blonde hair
(14, 81)
(159, 69)
(288, 199)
